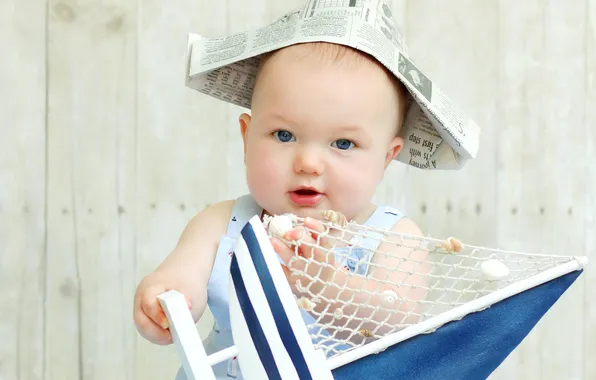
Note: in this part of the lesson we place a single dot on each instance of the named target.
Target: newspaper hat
(437, 135)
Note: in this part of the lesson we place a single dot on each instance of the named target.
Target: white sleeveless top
(245, 207)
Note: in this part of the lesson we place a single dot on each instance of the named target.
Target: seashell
(451, 244)
(305, 304)
(456, 245)
(494, 269)
(335, 217)
(279, 225)
(338, 313)
(299, 287)
(389, 297)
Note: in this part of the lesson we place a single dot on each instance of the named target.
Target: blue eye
(343, 144)
(283, 136)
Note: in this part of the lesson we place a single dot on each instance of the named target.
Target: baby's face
(321, 134)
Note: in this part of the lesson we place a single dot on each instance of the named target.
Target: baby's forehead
(332, 56)
(329, 54)
(323, 52)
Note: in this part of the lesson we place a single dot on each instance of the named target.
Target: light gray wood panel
(181, 162)
(519, 36)
(241, 17)
(589, 300)
(22, 188)
(541, 190)
(393, 187)
(91, 102)
(454, 44)
(132, 155)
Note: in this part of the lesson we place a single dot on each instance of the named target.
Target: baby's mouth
(306, 192)
(305, 197)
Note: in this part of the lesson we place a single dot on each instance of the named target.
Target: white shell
(494, 269)
(305, 303)
(389, 297)
(338, 313)
(279, 225)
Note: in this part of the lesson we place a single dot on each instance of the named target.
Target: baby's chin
(310, 212)
(303, 212)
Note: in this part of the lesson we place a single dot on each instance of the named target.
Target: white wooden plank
(454, 44)
(393, 188)
(92, 161)
(181, 155)
(519, 38)
(241, 16)
(125, 126)
(91, 80)
(589, 326)
(275, 9)
(22, 188)
(540, 182)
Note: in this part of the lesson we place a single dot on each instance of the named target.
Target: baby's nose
(309, 161)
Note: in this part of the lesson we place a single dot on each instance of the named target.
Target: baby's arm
(405, 270)
(187, 269)
(401, 258)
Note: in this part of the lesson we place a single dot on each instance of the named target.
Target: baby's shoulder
(212, 221)
(403, 225)
(407, 226)
(218, 213)
(222, 209)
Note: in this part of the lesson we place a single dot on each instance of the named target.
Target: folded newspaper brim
(437, 135)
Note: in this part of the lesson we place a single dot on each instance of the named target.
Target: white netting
(359, 283)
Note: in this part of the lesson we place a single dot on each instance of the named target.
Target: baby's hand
(315, 246)
(149, 317)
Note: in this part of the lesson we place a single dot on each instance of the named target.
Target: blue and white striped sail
(268, 329)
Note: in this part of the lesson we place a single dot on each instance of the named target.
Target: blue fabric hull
(469, 349)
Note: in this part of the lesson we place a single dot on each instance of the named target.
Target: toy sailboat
(478, 304)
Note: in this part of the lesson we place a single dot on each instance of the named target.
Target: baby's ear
(244, 121)
(393, 149)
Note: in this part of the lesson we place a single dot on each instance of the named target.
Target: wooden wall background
(105, 155)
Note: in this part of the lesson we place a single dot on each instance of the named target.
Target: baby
(325, 124)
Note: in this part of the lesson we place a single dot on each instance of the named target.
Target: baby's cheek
(264, 175)
(265, 167)
(355, 187)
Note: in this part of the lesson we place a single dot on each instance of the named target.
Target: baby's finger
(152, 308)
(298, 233)
(324, 235)
(286, 253)
(302, 236)
(318, 230)
(150, 330)
(312, 233)
(188, 302)
(309, 247)
(315, 225)
(287, 272)
(282, 250)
